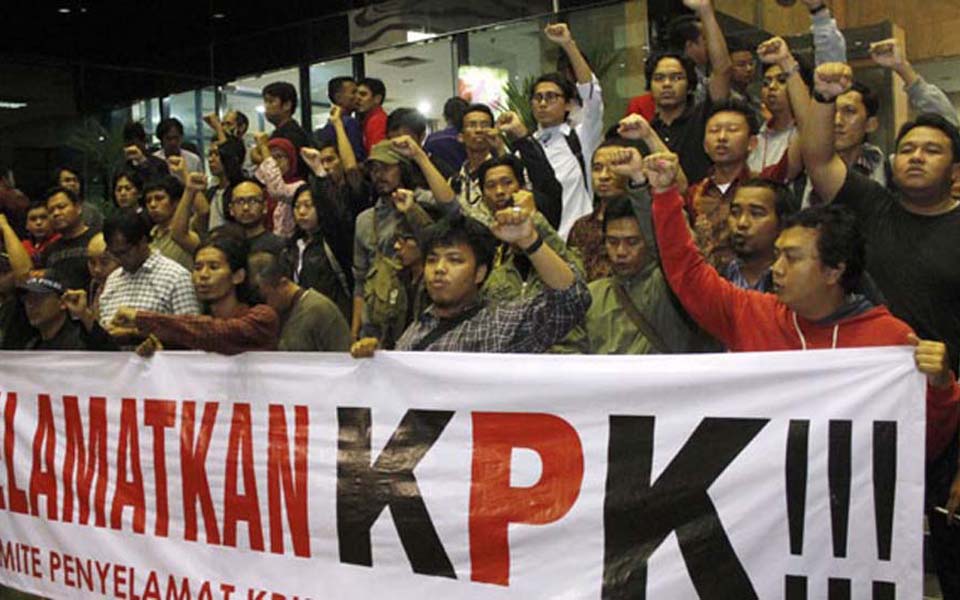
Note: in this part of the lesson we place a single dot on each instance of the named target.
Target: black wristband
(823, 99)
(814, 11)
(534, 246)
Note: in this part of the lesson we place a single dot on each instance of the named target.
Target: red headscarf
(291, 151)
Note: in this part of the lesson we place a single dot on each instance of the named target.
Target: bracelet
(633, 185)
(823, 99)
(793, 69)
(534, 246)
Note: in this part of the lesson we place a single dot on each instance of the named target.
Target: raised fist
(525, 201)
(627, 162)
(511, 125)
(773, 51)
(261, 138)
(634, 127)
(514, 225)
(176, 164)
(661, 170)
(887, 53)
(558, 33)
(336, 114)
(832, 79)
(311, 156)
(402, 200)
(405, 146)
(212, 120)
(196, 182)
(134, 154)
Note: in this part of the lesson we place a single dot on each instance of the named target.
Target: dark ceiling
(79, 55)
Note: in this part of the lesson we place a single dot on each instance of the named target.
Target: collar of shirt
(740, 177)
(146, 268)
(628, 281)
(429, 316)
(683, 118)
(544, 135)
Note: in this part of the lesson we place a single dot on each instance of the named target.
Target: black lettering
(639, 515)
(365, 489)
(838, 477)
(884, 483)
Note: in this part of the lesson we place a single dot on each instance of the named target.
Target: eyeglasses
(673, 77)
(548, 97)
(246, 202)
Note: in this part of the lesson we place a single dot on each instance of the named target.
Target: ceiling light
(261, 109)
(63, 11)
(218, 16)
(419, 36)
(9, 104)
(424, 107)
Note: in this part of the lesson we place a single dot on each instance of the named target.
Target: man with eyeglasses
(247, 206)
(565, 145)
(672, 80)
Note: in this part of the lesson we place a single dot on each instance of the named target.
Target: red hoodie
(746, 320)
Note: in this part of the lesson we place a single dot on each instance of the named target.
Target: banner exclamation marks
(795, 588)
(838, 475)
(884, 483)
(838, 589)
(796, 466)
(884, 590)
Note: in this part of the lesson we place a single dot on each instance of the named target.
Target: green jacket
(608, 328)
(505, 283)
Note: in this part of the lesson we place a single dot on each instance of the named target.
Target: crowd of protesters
(740, 205)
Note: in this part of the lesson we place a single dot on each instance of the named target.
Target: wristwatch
(534, 246)
(823, 99)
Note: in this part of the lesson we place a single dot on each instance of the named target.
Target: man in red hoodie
(820, 258)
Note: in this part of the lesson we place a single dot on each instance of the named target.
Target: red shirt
(248, 329)
(374, 127)
(746, 320)
(36, 250)
(643, 106)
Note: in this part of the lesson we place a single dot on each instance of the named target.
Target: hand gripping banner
(280, 476)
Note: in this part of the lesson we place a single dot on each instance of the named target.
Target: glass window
(417, 75)
(244, 95)
(513, 50)
(148, 113)
(320, 74)
(607, 36)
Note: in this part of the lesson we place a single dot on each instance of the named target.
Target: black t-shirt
(914, 259)
(67, 259)
(684, 137)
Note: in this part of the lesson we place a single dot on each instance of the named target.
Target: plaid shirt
(526, 326)
(247, 329)
(159, 285)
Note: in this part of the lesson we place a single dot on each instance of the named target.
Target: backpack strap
(573, 141)
(639, 320)
(444, 326)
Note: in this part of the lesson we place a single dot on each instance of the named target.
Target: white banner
(279, 476)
